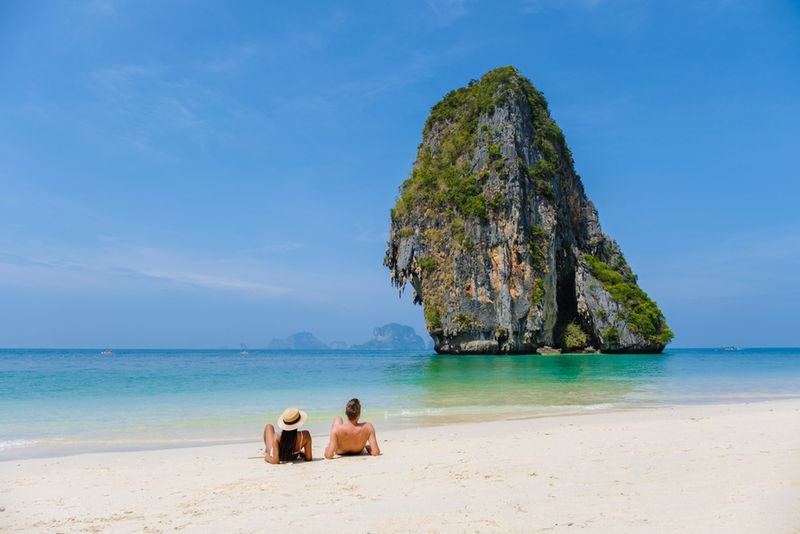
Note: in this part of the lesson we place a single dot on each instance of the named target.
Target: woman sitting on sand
(290, 444)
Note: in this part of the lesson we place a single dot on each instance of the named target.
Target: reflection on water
(567, 380)
(469, 387)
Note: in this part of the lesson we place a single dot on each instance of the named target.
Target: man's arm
(374, 450)
(331, 448)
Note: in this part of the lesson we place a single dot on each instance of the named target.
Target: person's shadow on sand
(295, 461)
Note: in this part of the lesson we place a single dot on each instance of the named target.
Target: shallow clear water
(62, 401)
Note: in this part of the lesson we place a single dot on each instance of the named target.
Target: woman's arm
(273, 458)
(270, 445)
(307, 454)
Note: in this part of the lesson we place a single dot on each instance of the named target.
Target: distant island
(494, 232)
(298, 341)
(391, 336)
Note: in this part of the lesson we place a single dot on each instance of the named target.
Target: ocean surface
(55, 402)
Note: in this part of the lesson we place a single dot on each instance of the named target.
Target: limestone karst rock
(496, 236)
(298, 341)
(393, 336)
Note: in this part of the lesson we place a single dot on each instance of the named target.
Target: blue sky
(197, 174)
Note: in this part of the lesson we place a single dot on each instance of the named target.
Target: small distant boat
(244, 350)
(107, 352)
(730, 347)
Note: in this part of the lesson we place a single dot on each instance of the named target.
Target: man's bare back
(352, 437)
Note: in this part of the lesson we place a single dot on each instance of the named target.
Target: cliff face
(496, 236)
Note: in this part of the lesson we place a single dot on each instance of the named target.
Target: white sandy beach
(731, 468)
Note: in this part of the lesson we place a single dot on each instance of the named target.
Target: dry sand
(732, 468)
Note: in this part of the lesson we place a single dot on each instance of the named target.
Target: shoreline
(695, 468)
(60, 448)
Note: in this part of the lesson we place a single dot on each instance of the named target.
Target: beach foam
(16, 443)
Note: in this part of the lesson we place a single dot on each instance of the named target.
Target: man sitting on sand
(352, 437)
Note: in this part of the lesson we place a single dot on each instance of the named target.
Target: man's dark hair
(353, 409)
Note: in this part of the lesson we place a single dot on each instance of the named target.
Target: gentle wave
(599, 406)
(16, 443)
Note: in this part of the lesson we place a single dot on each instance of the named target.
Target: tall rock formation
(496, 236)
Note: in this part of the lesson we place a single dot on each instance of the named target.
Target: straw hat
(292, 418)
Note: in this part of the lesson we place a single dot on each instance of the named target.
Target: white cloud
(151, 102)
(447, 11)
(609, 16)
(214, 282)
(284, 247)
(230, 58)
(536, 6)
(102, 7)
(112, 264)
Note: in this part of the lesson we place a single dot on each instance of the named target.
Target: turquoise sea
(56, 402)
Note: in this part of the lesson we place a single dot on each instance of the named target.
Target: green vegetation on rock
(538, 292)
(477, 98)
(465, 322)
(497, 201)
(574, 337)
(442, 179)
(465, 193)
(545, 189)
(427, 264)
(538, 247)
(611, 335)
(433, 317)
(542, 173)
(643, 315)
